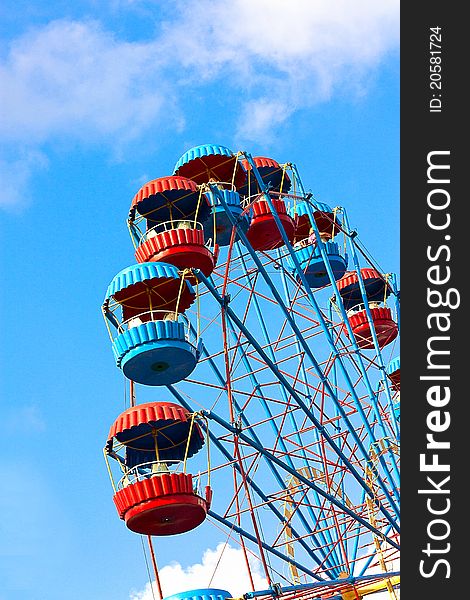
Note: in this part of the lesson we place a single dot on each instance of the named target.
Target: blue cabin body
(221, 220)
(313, 265)
(201, 594)
(156, 353)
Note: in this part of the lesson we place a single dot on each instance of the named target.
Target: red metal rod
(155, 568)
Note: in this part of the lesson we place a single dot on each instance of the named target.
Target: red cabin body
(395, 379)
(183, 248)
(163, 504)
(263, 232)
(385, 327)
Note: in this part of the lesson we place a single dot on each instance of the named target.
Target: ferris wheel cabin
(375, 320)
(155, 495)
(174, 209)
(217, 165)
(210, 162)
(308, 248)
(273, 175)
(154, 343)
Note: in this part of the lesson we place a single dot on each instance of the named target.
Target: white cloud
(223, 568)
(281, 56)
(74, 80)
(295, 38)
(260, 117)
(15, 176)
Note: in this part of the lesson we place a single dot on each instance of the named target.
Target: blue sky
(96, 99)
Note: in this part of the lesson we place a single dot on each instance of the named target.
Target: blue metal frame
(308, 352)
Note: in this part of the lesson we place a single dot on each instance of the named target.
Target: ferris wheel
(271, 336)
